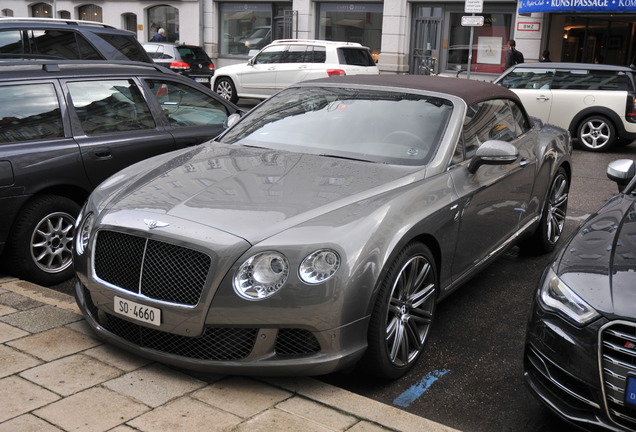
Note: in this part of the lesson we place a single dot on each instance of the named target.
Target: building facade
(449, 37)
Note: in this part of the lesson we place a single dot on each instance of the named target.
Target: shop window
(7, 12)
(41, 10)
(129, 21)
(90, 12)
(64, 14)
(352, 22)
(166, 18)
(246, 28)
(489, 43)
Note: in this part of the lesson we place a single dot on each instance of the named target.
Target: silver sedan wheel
(410, 311)
(51, 243)
(557, 208)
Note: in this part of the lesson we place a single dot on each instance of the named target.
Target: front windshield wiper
(346, 157)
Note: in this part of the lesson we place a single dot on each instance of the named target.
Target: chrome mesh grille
(153, 268)
(618, 360)
(214, 344)
(296, 342)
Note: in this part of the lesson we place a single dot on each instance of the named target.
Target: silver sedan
(320, 230)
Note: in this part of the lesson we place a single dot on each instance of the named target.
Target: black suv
(65, 126)
(67, 39)
(189, 60)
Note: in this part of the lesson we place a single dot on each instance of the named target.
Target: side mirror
(621, 171)
(493, 152)
(232, 119)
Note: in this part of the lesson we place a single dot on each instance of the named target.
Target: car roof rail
(53, 65)
(316, 41)
(54, 21)
(23, 56)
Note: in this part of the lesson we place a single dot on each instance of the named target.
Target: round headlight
(319, 266)
(83, 234)
(261, 275)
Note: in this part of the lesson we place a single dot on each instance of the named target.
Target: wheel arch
(596, 111)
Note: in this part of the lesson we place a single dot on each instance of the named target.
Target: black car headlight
(557, 296)
(83, 232)
(261, 275)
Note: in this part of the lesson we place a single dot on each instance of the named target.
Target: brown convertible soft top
(471, 91)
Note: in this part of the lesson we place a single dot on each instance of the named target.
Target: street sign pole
(470, 51)
(472, 7)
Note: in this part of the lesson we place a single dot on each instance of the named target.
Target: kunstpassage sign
(602, 6)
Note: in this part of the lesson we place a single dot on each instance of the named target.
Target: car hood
(252, 193)
(231, 69)
(599, 262)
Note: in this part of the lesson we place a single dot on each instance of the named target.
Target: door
(259, 76)
(425, 51)
(113, 126)
(494, 200)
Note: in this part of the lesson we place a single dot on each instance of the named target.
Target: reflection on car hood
(252, 192)
(599, 263)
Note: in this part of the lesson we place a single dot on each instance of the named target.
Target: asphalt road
(470, 375)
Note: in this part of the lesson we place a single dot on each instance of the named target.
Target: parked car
(286, 62)
(322, 228)
(257, 39)
(595, 102)
(67, 39)
(188, 60)
(67, 125)
(580, 355)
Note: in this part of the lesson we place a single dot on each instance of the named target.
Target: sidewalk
(56, 376)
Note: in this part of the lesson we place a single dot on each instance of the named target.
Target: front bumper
(238, 350)
(561, 369)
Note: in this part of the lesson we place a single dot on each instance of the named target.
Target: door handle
(102, 153)
(523, 162)
(543, 98)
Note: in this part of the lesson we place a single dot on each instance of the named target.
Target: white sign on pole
(472, 20)
(474, 6)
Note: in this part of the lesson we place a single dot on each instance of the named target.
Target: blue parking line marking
(417, 390)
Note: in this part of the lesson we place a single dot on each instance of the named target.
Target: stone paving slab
(56, 376)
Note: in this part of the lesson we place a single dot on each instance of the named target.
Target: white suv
(285, 62)
(595, 102)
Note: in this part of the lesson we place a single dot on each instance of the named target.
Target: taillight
(211, 67)
(630, 111)
(334, 72)
(179, 66)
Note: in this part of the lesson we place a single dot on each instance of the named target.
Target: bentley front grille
(152, 268)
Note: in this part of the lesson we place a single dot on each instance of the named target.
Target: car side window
(63, 44)
(127, 45)
(316, 54)
(488, 120)
(11, 42)
(109, 106)
(295, 54)
(520, 119)
(524, 78)
(29, 112)
(273, 54)
(186, 106)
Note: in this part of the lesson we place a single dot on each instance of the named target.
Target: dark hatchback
(65, 126)
(188, 60)
(580, 355)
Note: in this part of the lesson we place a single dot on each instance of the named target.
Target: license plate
(630, 391)
(204, 80)
(137, 311)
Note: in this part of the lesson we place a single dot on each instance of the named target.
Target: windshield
(378, 126)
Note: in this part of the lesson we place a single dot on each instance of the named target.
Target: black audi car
(580, 353)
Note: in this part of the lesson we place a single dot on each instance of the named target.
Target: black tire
(596, 133)
(225, 88)
(552, 222)
(40, 244)
(403, 313)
